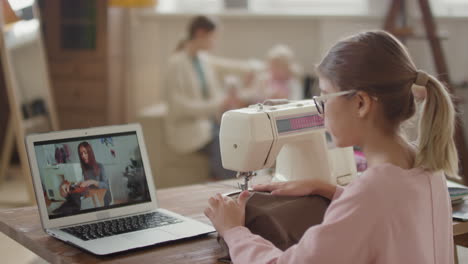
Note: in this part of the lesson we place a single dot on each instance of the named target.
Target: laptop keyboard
(121, 225)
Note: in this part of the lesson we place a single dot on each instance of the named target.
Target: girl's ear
(364, 104)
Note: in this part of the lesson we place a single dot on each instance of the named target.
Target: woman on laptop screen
(94, 178)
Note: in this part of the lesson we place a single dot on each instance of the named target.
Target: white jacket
(188, 124)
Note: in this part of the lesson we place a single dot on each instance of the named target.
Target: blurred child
(280, 78)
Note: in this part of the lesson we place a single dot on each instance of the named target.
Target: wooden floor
(13, 194)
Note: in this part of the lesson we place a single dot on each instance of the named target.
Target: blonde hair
(283, 54)
(436, 146)
(377, 63)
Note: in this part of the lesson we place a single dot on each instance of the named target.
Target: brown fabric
(461, 240)
(281, 220)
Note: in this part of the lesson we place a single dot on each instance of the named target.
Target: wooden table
(23, 226)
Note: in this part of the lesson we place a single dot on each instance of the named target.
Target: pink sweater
(388, 215)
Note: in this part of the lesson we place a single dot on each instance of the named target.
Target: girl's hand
(225, 212)
(64, 190)
(89, 183)
(298, 188)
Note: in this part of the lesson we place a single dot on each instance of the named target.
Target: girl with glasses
(398, 210)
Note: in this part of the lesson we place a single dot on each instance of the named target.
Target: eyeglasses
(322, 99)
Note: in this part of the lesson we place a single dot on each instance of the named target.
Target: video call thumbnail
(87, 174)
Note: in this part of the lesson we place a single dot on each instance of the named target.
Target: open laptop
(95, 190)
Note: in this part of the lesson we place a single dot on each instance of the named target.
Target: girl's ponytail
(436, 146)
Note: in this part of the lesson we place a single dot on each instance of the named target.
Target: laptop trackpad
(149, 236)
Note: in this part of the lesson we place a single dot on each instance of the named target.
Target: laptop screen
(88, 174)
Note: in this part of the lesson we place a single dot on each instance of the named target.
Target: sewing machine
(292, 134)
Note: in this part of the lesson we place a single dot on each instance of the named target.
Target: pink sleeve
(244, 247)
(336, 240)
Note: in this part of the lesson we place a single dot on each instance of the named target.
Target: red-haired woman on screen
(93, 173)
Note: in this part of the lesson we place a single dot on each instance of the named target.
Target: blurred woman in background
(195, 95)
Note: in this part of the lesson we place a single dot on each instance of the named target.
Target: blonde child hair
(283, 55)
